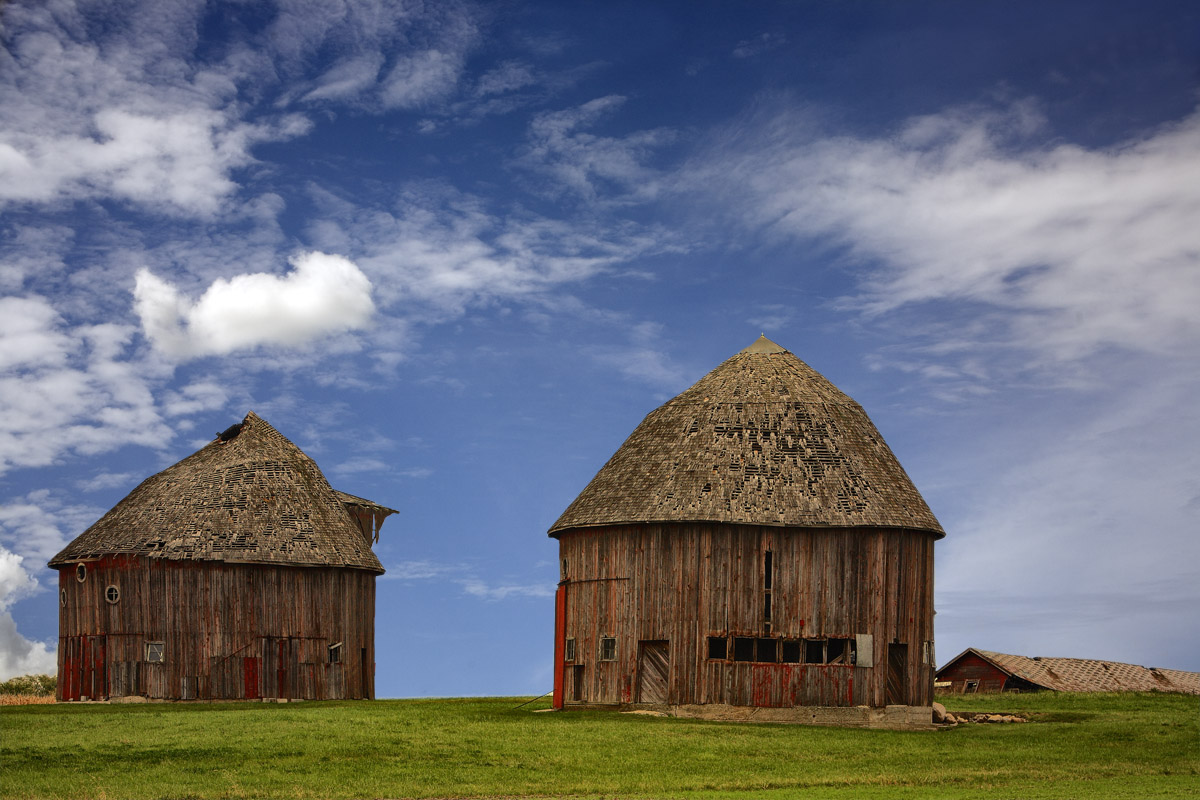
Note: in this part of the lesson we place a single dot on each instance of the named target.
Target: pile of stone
(943, 717)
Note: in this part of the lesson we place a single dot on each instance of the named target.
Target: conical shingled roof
(763, 439)
(249, 496)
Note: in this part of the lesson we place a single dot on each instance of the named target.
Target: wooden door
(85, 668)
(653, 671)
(897, 674)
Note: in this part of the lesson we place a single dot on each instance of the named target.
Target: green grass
(1079, 746)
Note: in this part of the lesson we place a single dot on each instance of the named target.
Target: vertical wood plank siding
(229, 631)
(684, 582)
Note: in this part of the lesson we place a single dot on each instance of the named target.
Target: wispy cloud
(1080, 249)
(466, 577)
(588, 165)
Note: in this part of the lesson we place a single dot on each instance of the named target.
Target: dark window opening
(767, 606)
(81, 572)
(569, 649)
(112, 594)
(743, 648)
(718, 647)
(335, 653)
(608, 649)
(767, 569)
(790, 651)
(766, 650)
(62, 597)
(814, 651)
(154, 652)
(836, 652)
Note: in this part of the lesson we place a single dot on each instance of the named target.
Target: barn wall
(970, 673)
(680, 583)
(228, 631)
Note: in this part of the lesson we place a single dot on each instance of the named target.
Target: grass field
(1077, 746)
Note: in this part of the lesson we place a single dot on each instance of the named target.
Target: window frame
(155, 647)
(608, 648)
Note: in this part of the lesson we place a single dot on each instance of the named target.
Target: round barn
(238, 573)
(753, 550)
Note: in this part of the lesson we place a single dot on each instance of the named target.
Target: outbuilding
(752, 551)
(238, 573)
(983, 671)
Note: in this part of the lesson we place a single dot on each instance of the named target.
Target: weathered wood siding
(970, 673)
(684, 582)
(228, 631)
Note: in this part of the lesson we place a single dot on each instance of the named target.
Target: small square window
(718, 647)
(569, 649)
(155, 652)
(840, 651)
(608, 649)
(335, 653)
(814, 651)
(790, 651)
(766, 649)
(743, 648)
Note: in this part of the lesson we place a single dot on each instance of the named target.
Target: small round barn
(238, 573)
(753, 550)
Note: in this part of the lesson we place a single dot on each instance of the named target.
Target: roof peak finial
(764, 345)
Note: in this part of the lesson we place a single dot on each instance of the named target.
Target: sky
(457, 251)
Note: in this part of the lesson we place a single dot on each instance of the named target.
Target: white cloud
(584, 163)
(120, 112)
(482, 589)
(323, 294)
(19, 655)
(420, 78)
(445, 251)
(1079, 248)
(65, 389)
(465, 577)
(103, 481)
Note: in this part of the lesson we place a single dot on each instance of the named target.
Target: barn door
(897, 674)
(85, 668)
(280, 665)
(653, 669)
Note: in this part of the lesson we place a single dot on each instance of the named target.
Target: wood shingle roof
(1088, 675)
(762, 439)
(249, 496)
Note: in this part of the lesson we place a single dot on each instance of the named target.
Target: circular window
(81, 572)
(62, 597)
(112, 594)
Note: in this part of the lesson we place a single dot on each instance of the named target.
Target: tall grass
(1093, 746)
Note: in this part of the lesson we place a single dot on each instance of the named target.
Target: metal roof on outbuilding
(763, 439)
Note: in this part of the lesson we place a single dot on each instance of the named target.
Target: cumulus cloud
(19, 655)
(323, 294)
(1080, 248)
(30, 534)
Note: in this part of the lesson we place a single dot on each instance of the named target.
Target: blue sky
(456, 252)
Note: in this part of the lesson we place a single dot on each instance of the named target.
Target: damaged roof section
(248, 496)
(1081, 674)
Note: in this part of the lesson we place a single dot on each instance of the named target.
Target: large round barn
(753, 550)
(238, 573)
